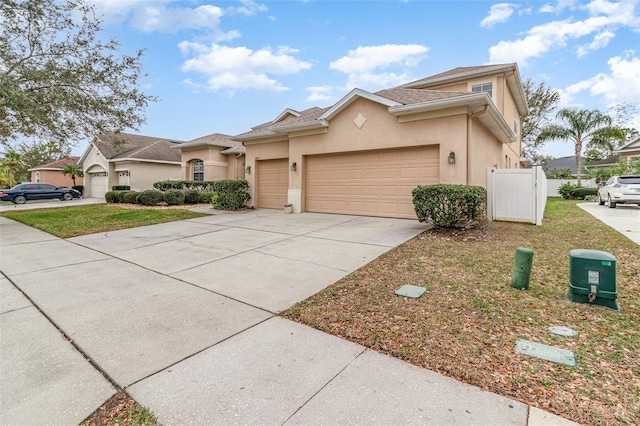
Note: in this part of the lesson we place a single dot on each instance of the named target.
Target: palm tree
(12, 162)
(71, 169)
(581, 126)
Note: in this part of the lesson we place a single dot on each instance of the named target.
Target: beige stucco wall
(94, 163)
(216, 165)
(142, 175)
(54, 177)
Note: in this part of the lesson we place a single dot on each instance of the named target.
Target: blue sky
(225, 66)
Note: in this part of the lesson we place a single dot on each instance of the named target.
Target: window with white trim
(198, 170)
(484, 87)
(516, 120)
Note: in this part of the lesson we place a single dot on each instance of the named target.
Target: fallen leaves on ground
(467, 323)
(120, 410)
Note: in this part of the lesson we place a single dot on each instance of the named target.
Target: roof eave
(496, 122)
(309, 125)
(351, 97)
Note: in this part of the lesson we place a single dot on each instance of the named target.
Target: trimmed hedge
(110, 197)
(230, 195)
(173, 197)
(120, 196)
(131, 197)
(449, 206)
(150, 197)
(192, 196)
(575, 192)
(120, 188)
(196, 185)
(206, 196)
(79, 188)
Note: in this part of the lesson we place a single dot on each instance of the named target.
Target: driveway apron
(183, 316)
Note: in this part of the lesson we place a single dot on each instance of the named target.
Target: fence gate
(516, 195)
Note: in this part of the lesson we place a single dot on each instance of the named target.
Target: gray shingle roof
(125, 145)
(415, 96)
(57, 164)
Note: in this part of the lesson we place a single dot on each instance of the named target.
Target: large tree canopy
(542, 100)
(580, 127)
(58, 80)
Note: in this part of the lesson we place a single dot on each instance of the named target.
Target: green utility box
(521, 274)
(592, 278)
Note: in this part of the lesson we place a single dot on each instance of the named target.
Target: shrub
(191, 196)
(565, 190)
(131, 197)
(110, 197)
(119, 195)
(580, 193)
(120, 188)
(173, 197)
(196, 185)
(449, 206)
(230, 194)
(79, 188)
(150, 197)
(206, 196)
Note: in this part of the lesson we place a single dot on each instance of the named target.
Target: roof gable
(59, 164)
(123, 146)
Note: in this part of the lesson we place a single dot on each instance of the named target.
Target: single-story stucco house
(211, 157)
(366, 153)
(125, 159)
(52, 173)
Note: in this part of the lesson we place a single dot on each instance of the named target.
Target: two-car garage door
(371, 183)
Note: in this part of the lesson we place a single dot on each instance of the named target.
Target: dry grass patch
(467, 324)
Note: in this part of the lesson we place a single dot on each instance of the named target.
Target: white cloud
(367, 58)
(499, 13)
(321, 94)
(558, 7)
(541, 38)
(372, 67)
(160, 18)
(599, 41)
(621, 84)
(248, 8)
(230, 68)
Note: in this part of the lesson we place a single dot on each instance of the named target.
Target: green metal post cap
(521, 274)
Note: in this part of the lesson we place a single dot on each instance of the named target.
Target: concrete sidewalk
(183, 316)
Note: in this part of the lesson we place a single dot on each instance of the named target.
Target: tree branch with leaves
(58, 80)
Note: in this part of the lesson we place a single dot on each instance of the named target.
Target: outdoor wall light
(452, 157)
(294, 166)
(248, 170)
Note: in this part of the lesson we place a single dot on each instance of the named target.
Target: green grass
(67, 222)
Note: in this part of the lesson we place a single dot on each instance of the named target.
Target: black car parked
(19, 194)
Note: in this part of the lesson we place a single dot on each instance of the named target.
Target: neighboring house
(126, 159)
(212, 157)
(52, 173)
(607, 163)
(562, 163)
(629, 151)
(366, 153)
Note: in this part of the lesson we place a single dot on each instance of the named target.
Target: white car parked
(620, 190)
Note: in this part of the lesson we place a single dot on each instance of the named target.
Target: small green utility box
(592, 278)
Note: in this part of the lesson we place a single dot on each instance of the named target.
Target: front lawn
(67, 222)
(466, 325)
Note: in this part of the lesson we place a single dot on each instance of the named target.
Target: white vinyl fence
(554, 184)
(516, 195)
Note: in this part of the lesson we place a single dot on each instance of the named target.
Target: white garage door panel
(376, 183)
(98, 185)
(273, 183)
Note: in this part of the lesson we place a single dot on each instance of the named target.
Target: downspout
(469, 118)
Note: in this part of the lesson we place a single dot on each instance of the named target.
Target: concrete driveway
(624, 218)
(183, 316)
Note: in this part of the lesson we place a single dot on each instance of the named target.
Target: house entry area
(370, 183)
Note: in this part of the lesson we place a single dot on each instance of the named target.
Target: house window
(516, 120)
(198, 170)
(37, 176)
(484, 87)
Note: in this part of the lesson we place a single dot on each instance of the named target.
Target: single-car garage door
(273, 183)
(98, 185)
(371, 183)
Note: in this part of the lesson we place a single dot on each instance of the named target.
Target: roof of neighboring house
(563, 163)
(56, 165)
(126, 146)
(610, 161)
(216, 139)
(634, 145)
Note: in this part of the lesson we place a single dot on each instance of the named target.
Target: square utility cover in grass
(469, 325)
